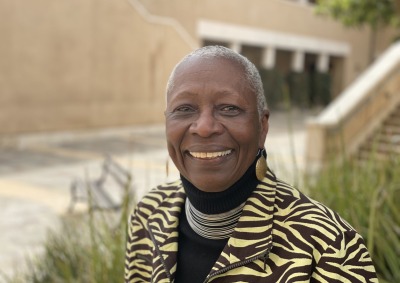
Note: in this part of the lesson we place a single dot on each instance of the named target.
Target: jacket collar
(163, 226)
(253, 234)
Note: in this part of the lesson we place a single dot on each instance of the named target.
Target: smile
(210, 155)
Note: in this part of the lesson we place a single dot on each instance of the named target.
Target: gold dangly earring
(261, 166)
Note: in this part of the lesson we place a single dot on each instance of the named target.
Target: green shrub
(273, 82)
(319, 88)
(367, 195)
(299, 89)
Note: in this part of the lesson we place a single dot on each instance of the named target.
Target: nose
(206, 125)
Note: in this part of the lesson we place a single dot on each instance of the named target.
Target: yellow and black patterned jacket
(282, 236)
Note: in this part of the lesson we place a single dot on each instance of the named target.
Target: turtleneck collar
(219, 202)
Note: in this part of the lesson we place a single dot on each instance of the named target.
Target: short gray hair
(251, 73)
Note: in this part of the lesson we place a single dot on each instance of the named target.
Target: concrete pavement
(36, 174)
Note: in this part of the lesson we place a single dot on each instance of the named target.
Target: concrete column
(268, 57)
(298, 61)
(323, 63)
(236, 46)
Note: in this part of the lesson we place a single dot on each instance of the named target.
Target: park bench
(107, 192)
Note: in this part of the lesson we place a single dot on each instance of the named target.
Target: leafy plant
(367, 195)
(356, 13)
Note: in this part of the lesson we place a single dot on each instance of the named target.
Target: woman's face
(212, 124)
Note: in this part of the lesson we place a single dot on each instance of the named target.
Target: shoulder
(309, 226)
(158, 195)
(311, 216)
(167, 195)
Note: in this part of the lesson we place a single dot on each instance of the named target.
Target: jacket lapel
(163, 227)
(253, 235)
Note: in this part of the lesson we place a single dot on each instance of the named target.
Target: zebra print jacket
(282, 236)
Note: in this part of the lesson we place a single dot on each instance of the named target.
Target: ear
(264, 124)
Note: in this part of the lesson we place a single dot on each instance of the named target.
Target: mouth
(210, 155)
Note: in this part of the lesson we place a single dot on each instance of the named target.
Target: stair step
(392, 123)
(382, 148)
(384, 138)
(384, 143)
(390, 130)
(378, 156)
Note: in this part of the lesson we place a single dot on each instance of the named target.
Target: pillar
(323, 63)
(268, 57)
(298, 61)
(236, 46)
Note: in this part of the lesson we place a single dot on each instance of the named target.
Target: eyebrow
(234, 96)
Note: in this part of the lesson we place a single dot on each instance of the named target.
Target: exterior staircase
(364, 120)
(384, 143)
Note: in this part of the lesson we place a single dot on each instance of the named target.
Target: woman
(228, 218)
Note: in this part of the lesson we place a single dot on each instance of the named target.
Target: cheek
(174, 133)
(248, 135)
(173, 149)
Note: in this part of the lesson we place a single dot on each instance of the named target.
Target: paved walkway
(35, 177)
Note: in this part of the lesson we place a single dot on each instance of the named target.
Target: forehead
(211, 71)
(211, 64)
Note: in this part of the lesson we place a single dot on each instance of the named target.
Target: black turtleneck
(197, 255)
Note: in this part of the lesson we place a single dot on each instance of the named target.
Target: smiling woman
(213, 126)
(228, 218)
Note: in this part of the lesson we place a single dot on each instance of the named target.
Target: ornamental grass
(367, 195)
(89, 248)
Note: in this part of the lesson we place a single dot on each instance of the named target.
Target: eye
(230, 110)
(181, 111)
(184, 109)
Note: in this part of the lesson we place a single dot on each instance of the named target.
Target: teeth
(210, 154)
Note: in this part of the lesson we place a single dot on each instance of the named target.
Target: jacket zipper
(239, 264)
(159, 254)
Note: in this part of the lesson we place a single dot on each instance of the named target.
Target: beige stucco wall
(81, 64)
(274, 15)
(71, 64)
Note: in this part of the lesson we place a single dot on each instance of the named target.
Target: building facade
(76, 65)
